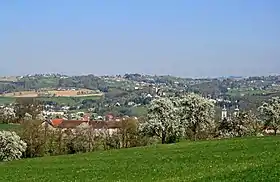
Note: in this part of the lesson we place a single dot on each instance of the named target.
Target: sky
(188, 38)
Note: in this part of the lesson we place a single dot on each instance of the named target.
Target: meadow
(67, 100)
(9, 127)
(57, 93)
(6, 100)
(239, 159)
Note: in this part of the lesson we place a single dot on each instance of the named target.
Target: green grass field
(69, 100)
(6, 100)
(9, 127)
(242, 159)
(59, 100)
(139, 111)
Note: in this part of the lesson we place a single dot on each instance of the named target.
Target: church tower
(236, 111)
(224, 113)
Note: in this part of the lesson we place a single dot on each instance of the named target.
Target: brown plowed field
(57, 93)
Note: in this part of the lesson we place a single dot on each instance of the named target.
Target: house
(86, 117)
(52, 113)
(110, 126)
(109, 117)
(97, 125)
(56, 122)
(70, 124)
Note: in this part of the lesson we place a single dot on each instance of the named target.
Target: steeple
(224, 113)
(236, 111)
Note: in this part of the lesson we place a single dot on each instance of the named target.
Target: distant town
(129, 94)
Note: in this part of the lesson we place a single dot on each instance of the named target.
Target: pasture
(239, 159)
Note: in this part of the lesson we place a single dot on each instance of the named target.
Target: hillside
(242, 159)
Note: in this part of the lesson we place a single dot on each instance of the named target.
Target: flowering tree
(245, 123)
(271, 113)
(196, 113)
(11, 146)
(163, 120)
(7, 115)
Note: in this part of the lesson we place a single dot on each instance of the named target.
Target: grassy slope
(247, 159)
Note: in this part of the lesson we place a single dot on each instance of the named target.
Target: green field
(248, 92)
(139, 111)
(8, 126)
(7, 100)
(69, 100)
(59, 100)
(241, 159)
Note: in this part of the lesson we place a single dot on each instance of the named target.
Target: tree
(28, 105)
(7, 115)
(225, 128)
(33, 134)
(196, 114)
(244, 123)
(11, 146)
(162, 121)
(256, 125)
(271, 113)
(128, 132)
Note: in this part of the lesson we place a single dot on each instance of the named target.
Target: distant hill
(8, 78)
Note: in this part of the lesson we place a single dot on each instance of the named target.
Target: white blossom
(163, 120)
(271, 113)
(171, 117)
(11, 146)
(196, 113)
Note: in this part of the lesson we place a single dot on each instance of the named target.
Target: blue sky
(190, 38)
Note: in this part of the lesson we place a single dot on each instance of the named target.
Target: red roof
(56, 122)
(97, 124)
(70, 123)
(104, 124)
(86, 118)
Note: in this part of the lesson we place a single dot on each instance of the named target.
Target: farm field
(57, 93)
(59, 96)
(239, 159)
(58, 100)
(8, 78)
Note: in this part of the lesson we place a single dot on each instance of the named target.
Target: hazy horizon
(184, 38)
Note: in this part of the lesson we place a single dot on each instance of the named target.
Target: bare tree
(28, 105)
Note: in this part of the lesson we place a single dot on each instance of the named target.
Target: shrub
(11, 146)
(111, 141)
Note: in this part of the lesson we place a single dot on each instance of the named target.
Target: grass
(69, 100)
(239, 92)
(242, 159)
(8, 126)
(59, 100)
(139, 111)
(6, 100)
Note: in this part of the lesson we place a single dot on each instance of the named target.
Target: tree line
(192, 117)
(169, 120)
